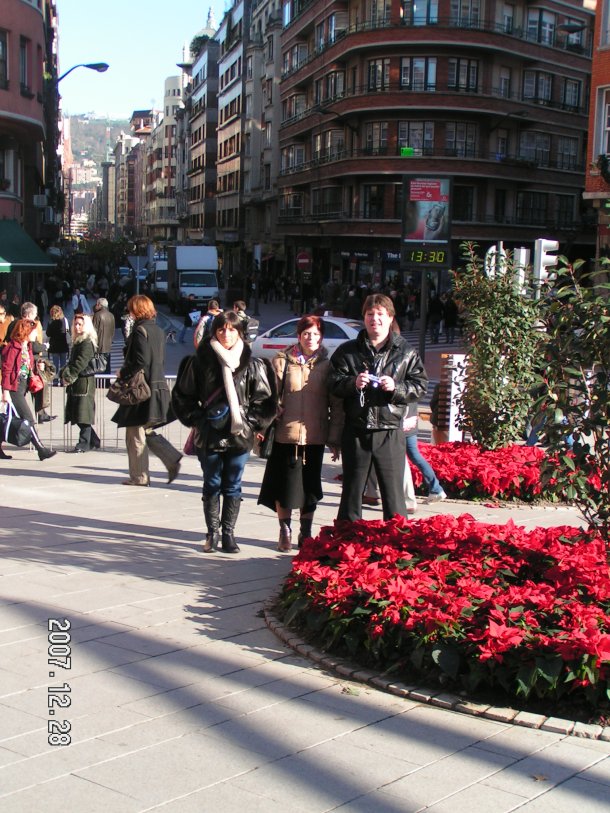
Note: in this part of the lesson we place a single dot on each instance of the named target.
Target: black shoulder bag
(268, 440)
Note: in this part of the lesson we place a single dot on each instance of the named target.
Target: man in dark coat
(105, 326)
(377, 375)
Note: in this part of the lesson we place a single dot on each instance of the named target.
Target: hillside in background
(94, 138)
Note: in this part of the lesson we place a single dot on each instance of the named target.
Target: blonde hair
(88, 333)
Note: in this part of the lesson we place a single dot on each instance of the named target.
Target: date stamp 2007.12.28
(59, 697)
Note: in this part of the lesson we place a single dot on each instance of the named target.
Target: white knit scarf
(229, 362)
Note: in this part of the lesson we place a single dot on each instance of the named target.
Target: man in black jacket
(377, 375)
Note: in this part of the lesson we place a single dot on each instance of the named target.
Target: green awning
(18, 252)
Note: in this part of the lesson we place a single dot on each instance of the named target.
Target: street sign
(303, 260)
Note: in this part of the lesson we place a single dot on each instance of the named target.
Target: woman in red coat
(17, 368)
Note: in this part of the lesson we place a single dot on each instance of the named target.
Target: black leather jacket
(200, 375)
(381, 410)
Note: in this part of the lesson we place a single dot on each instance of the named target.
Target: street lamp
(100, 67)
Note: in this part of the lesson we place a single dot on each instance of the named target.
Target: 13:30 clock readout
(433, 257)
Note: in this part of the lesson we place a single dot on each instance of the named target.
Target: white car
(336, 331)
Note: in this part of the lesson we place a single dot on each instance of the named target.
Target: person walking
(229, 396)
(192, 316)
(105, 326)
(205, 323)
(80, 303)
(377, 375)
(309, 419)
(78, 376)
(18, 366)
(57, 334)
(145, 350)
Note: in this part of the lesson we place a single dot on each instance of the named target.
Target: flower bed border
(435, 697)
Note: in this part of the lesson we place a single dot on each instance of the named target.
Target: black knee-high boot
(230, 512)
(211, 512)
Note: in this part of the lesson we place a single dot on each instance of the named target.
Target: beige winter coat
(310, 416)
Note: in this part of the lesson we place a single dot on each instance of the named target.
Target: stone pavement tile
(424, 734)
(575, 794)
(7, 756)
(519, 742)
(474, 799)
(66, 794)
(138, 642)
(358, 702)
(16, 722)
(103, 597)
(600, 772)
(267, 695)
(448, 776)
(10, 683)
(54, 762)
(551, 766)
(284, 729)
(85, 727)
(185, 764)
(227, 797)
(324, 776)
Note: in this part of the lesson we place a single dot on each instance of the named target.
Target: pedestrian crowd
(361, 403)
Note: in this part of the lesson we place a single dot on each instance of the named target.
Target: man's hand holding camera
(366, 379)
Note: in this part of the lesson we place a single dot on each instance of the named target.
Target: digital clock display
(425, 256)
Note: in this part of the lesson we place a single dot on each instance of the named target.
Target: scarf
(229, 362)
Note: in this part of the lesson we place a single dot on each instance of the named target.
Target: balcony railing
(555, 39)
(326, 106)
(524, 161)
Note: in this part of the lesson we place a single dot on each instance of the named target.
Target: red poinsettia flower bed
(469, 604)
(468, 471)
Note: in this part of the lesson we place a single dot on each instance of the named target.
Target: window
(269, 91)
(500, 205)
(501, 143)
(268, 134)
(267, 177)
(377, 137)
(418, 73)
(320, 36)
(532, 208)
(465, 13)
(535, 147)
(379, 11)
(460, 138)
(269, 48)
(3, 59)
(372, 200)
(541, 26)
(504, 82)
(249, 68)
(24, 63)
(565, 210)
(463, 203)
(463, 74)
(417, 134)
(287, 12)
(537, 86)
(570, 94)
(567, 152)
(379, 74)
(327, 201)
(335, 84)
(291, 204)
(420, 13)
(508, 16)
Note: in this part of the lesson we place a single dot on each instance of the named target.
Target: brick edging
(434, 697)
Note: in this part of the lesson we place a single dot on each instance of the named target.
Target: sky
(141, 40)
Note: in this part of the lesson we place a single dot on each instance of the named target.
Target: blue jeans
(428, 473)
(59, 360)
(222, 473)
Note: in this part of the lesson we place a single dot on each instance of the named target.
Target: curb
(433, 697)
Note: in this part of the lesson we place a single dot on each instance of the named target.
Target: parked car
(336, 331)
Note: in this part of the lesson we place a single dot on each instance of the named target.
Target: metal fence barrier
(58, 434)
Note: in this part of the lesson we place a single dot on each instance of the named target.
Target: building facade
(491, 98)
(597, 189)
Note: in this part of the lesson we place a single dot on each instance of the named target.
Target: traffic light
(543, 259)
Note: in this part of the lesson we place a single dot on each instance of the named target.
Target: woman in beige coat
(310, 418)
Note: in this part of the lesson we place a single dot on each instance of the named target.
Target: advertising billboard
(426, 232)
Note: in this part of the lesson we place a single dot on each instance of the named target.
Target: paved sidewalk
(181, 699)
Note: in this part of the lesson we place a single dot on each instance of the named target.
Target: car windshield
(333, 331)
(205, 279)
(289, 330)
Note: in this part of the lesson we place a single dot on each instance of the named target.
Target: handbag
(13, 429)
(35, 383)
(190, 444)
(129, 391)
(99, 363)
(266, 444)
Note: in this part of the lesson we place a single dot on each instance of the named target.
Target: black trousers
(383, 449)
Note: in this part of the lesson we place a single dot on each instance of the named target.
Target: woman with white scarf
(228, 396)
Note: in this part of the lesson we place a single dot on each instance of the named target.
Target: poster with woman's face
(427, 216)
